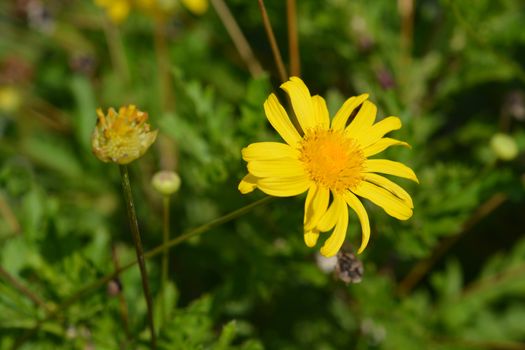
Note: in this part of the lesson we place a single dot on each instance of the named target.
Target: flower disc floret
(332, 159)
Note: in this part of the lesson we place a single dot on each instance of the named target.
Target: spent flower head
(122, 137)
(330, 160)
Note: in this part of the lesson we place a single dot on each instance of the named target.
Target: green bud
(504, 146)
(166, 182)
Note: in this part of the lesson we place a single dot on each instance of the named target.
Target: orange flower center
(331, 159)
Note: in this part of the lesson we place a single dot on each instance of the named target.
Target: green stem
(84, 292)
(165, 254)
(134, 225)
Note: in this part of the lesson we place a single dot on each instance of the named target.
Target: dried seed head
(122, 137)
(348, 268)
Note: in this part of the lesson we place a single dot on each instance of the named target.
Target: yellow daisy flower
(331, 162)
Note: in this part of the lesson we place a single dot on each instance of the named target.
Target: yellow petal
(315, 206)
(284, 186)
(391, 204)
(268, 150)
(378, 130)
(389, 167)
(390, 186)
(363, 120)
(341, 117)
(278, 117)
(360, 210)
(310, 238)
(289, 167)
(329, 219)
(248, 184)
(321, 114)
(336, 239)
(301, 102)
(381, 145)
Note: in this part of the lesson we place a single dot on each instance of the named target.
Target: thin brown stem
(283, 75)
(419, 271)
(85, 291)
(123, 306)
(238, 38)
(6, 276)
(293, 39)
(134, 226)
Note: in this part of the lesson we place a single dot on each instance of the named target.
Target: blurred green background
(451, 277)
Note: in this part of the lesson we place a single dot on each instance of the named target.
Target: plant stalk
(283, 75)
(116, 51)
(134, 226)
(165, 254)
(84, 291)
(293, 39)
(419, 271)
(6, 276)
(167, 147)
(238, 38)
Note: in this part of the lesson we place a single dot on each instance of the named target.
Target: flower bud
(504, 146)
(166, 182)
(122, 137)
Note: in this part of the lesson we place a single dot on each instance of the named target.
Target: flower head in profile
(330, 160)
(122, 137)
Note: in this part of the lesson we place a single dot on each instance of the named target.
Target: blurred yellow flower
(198, 7)
(122, 137)
(331, 162)
(10, 99)
(117, 10)
(166, 7)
